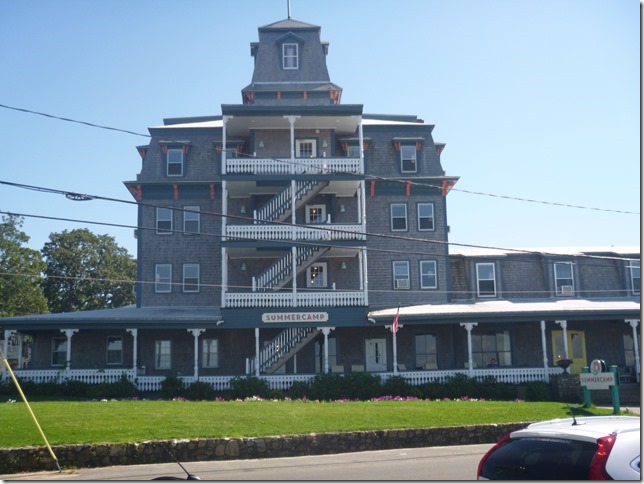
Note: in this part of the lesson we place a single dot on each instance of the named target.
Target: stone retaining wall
(30, 459)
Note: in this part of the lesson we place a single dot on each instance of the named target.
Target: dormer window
(408, 159)
(290, 56)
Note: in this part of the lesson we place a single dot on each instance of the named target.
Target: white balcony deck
(298, 299)
(288, 232)
(297, 166)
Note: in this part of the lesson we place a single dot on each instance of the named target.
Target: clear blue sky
(534, 99)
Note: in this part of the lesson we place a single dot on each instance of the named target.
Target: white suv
(571, 448)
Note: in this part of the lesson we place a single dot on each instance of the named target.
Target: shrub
(460, 385)
(74, 389)
(538, 391)
(200, 390)
(250, 386)
(399, 386)
(171, 387)
(362, 386)
(327, 386)
(299, 389)
(121, 389)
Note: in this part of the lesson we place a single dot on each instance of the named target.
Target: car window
(540, 459)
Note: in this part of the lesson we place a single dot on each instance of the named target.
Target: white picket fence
(147, 383)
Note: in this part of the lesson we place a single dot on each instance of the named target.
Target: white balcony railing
(299, 299)
(289, 232)
(297, 166)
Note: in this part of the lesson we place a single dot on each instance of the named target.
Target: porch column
(564, 326)
(361, 141)
(294, 272)
(546, 375)
(135, 363)
(395, 345)
(636, 349)
(468, 327)
(326, 332)
(5, 349)
(195, 334)
(69, 333)
(257, 352)
(291, 121)
(224, 153)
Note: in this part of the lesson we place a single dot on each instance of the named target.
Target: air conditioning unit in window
(567, 290)
(401, 284)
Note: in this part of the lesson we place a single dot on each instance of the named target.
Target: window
(629, 350)
(485, 279)
(564, 282)
(191, 220)
(401, 274)
(428, 278)
(305, 148)
(319, 355)
(164, 220)
(210, 353)
(315, 214)
(58, 351)
(425, 216)
(398, 216)
(289, 56)
(163, 278)
(408, 159)
(175, 161)
(353, 151)
(426, 356)
(634, 267)
(162, 354)
(491, 345)
(316, 275)
(191, 278)
(114, 350)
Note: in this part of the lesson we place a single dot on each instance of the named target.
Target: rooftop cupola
(290, 67)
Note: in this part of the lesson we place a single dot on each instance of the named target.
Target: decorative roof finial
(288, 8)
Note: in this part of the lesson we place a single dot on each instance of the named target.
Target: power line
(367, 176)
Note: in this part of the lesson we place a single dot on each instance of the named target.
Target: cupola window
(290, 56)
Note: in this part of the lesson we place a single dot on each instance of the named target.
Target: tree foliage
(20, 272)
(86, 271)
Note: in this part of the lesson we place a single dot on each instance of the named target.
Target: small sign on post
(599, 377)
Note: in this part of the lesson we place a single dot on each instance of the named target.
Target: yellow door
(576, 349)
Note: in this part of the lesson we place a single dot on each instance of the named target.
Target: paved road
(426, 463)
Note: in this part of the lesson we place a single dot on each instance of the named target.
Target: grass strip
(135, 421)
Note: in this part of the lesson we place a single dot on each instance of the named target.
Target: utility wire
(367, 176)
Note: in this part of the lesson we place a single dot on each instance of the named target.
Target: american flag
(394, 327)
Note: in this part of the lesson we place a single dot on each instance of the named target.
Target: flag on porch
(394, 326)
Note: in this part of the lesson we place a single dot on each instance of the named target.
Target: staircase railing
(280, 348)
(280, 270)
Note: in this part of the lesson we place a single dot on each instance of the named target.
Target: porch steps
(282, 348)
(278, 208)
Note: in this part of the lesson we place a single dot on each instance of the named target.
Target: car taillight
(598, 464)
(489, 452)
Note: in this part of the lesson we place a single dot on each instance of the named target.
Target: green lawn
(133, 421)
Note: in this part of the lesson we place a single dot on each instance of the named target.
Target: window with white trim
(426, 352)
(175, 161)
(114, 347)
(408, 159)
(398, 212)
(290, 56)
(425, 216)
(564, 279)
(162, 354)
(210, 353)
(58, 351)
(401, 274)
(485, 279)
(305, 148)
(163, 278)
(315, 214)
(634, 266)
(316, 275)
(428, 279)
(164, 220)
(191, 220)
(353, 151)
(488, 346)
(191, 278)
